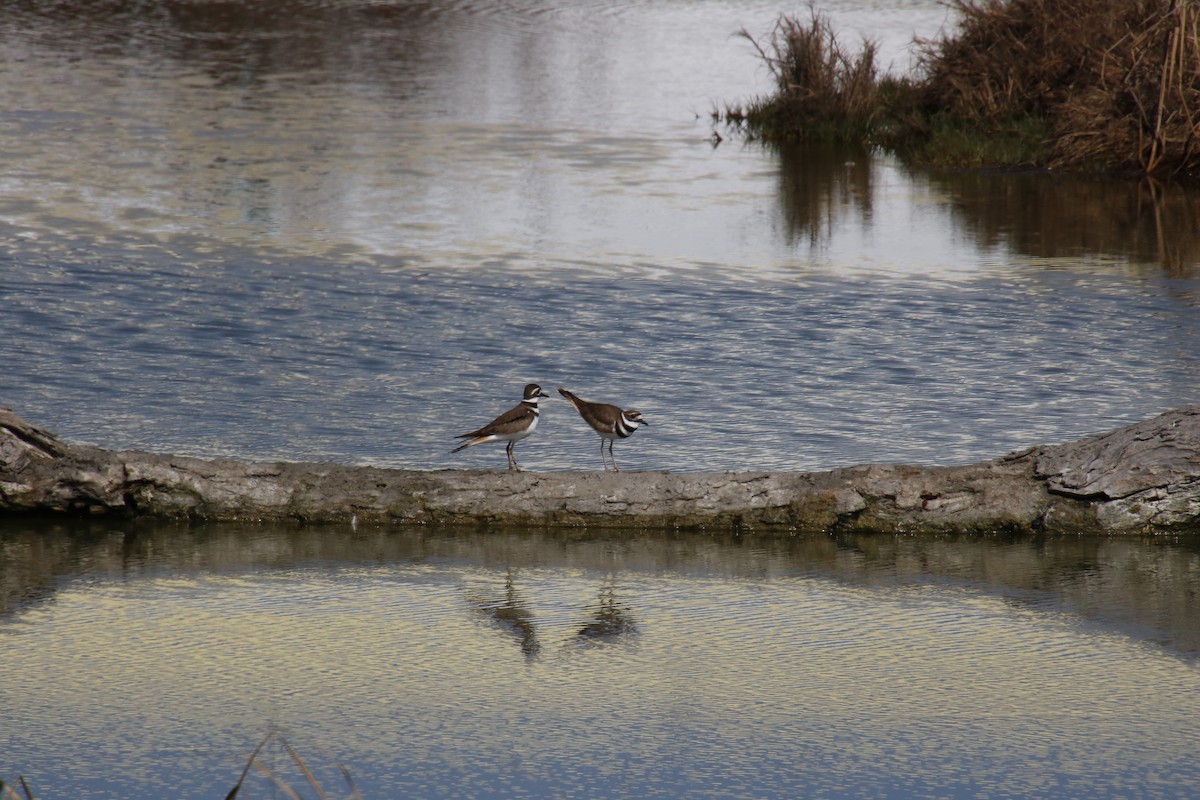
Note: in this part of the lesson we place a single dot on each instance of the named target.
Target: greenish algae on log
(1138, 479)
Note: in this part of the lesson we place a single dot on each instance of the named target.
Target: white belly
(519, 435)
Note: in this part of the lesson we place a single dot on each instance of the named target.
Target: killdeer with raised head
(609, 421)
(512, 426)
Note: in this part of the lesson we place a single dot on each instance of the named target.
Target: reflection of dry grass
(281, 783)
(8, 793)
(1042, 216)
(819, 188)
(255, 762)
(1030, 213)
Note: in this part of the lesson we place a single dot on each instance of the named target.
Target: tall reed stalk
(280, 784)
(7, 792)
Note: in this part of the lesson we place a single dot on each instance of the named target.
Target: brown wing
(601, 416)
(604, 414)
(509, 422)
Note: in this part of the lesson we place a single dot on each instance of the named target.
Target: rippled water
(349, 231)
(143, 663)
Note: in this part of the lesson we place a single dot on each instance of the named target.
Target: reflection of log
(1139, 478)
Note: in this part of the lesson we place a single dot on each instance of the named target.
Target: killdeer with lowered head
(610, 422)
(512, 426)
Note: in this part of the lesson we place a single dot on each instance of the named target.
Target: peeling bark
(1142, 478)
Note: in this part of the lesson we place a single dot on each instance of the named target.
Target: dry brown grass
(1140, 108)
(811, 68)
(1081, 85)
(279, 783)
(1006, 59)
(1118, 81)
(7, 792)
(823, 89)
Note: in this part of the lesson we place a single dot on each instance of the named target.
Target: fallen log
(1138, 479)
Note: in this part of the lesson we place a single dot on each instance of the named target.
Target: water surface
(142, 662)
(346, 231)
(349, 231)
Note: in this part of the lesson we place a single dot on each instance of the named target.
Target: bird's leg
(611, 442)
(512, 459)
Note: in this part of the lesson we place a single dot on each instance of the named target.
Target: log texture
(1138, 479)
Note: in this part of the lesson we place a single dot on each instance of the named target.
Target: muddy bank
(1137, 479)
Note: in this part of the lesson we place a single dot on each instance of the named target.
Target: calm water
(347, 231)
(148, 662)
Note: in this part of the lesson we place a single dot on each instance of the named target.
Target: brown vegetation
(9, 793)
(279, 782)
(1141, 105)
(820, 83)
(1109, 85)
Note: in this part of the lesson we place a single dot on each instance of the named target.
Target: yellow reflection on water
(822, 683)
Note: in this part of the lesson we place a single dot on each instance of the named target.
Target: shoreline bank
(1143, 478)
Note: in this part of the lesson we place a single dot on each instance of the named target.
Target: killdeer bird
(512, 426)
(607, 420)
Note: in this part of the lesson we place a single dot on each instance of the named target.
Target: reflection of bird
(511, 614)
(607, 420)
(608, 621)
(511, 426)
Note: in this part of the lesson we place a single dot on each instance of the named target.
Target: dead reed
(1140, 108)
(279, 781)
(7, 792)
(1007, 59)
(823, 90)
(1082, 85)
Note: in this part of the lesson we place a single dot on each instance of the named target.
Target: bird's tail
(465, 445)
